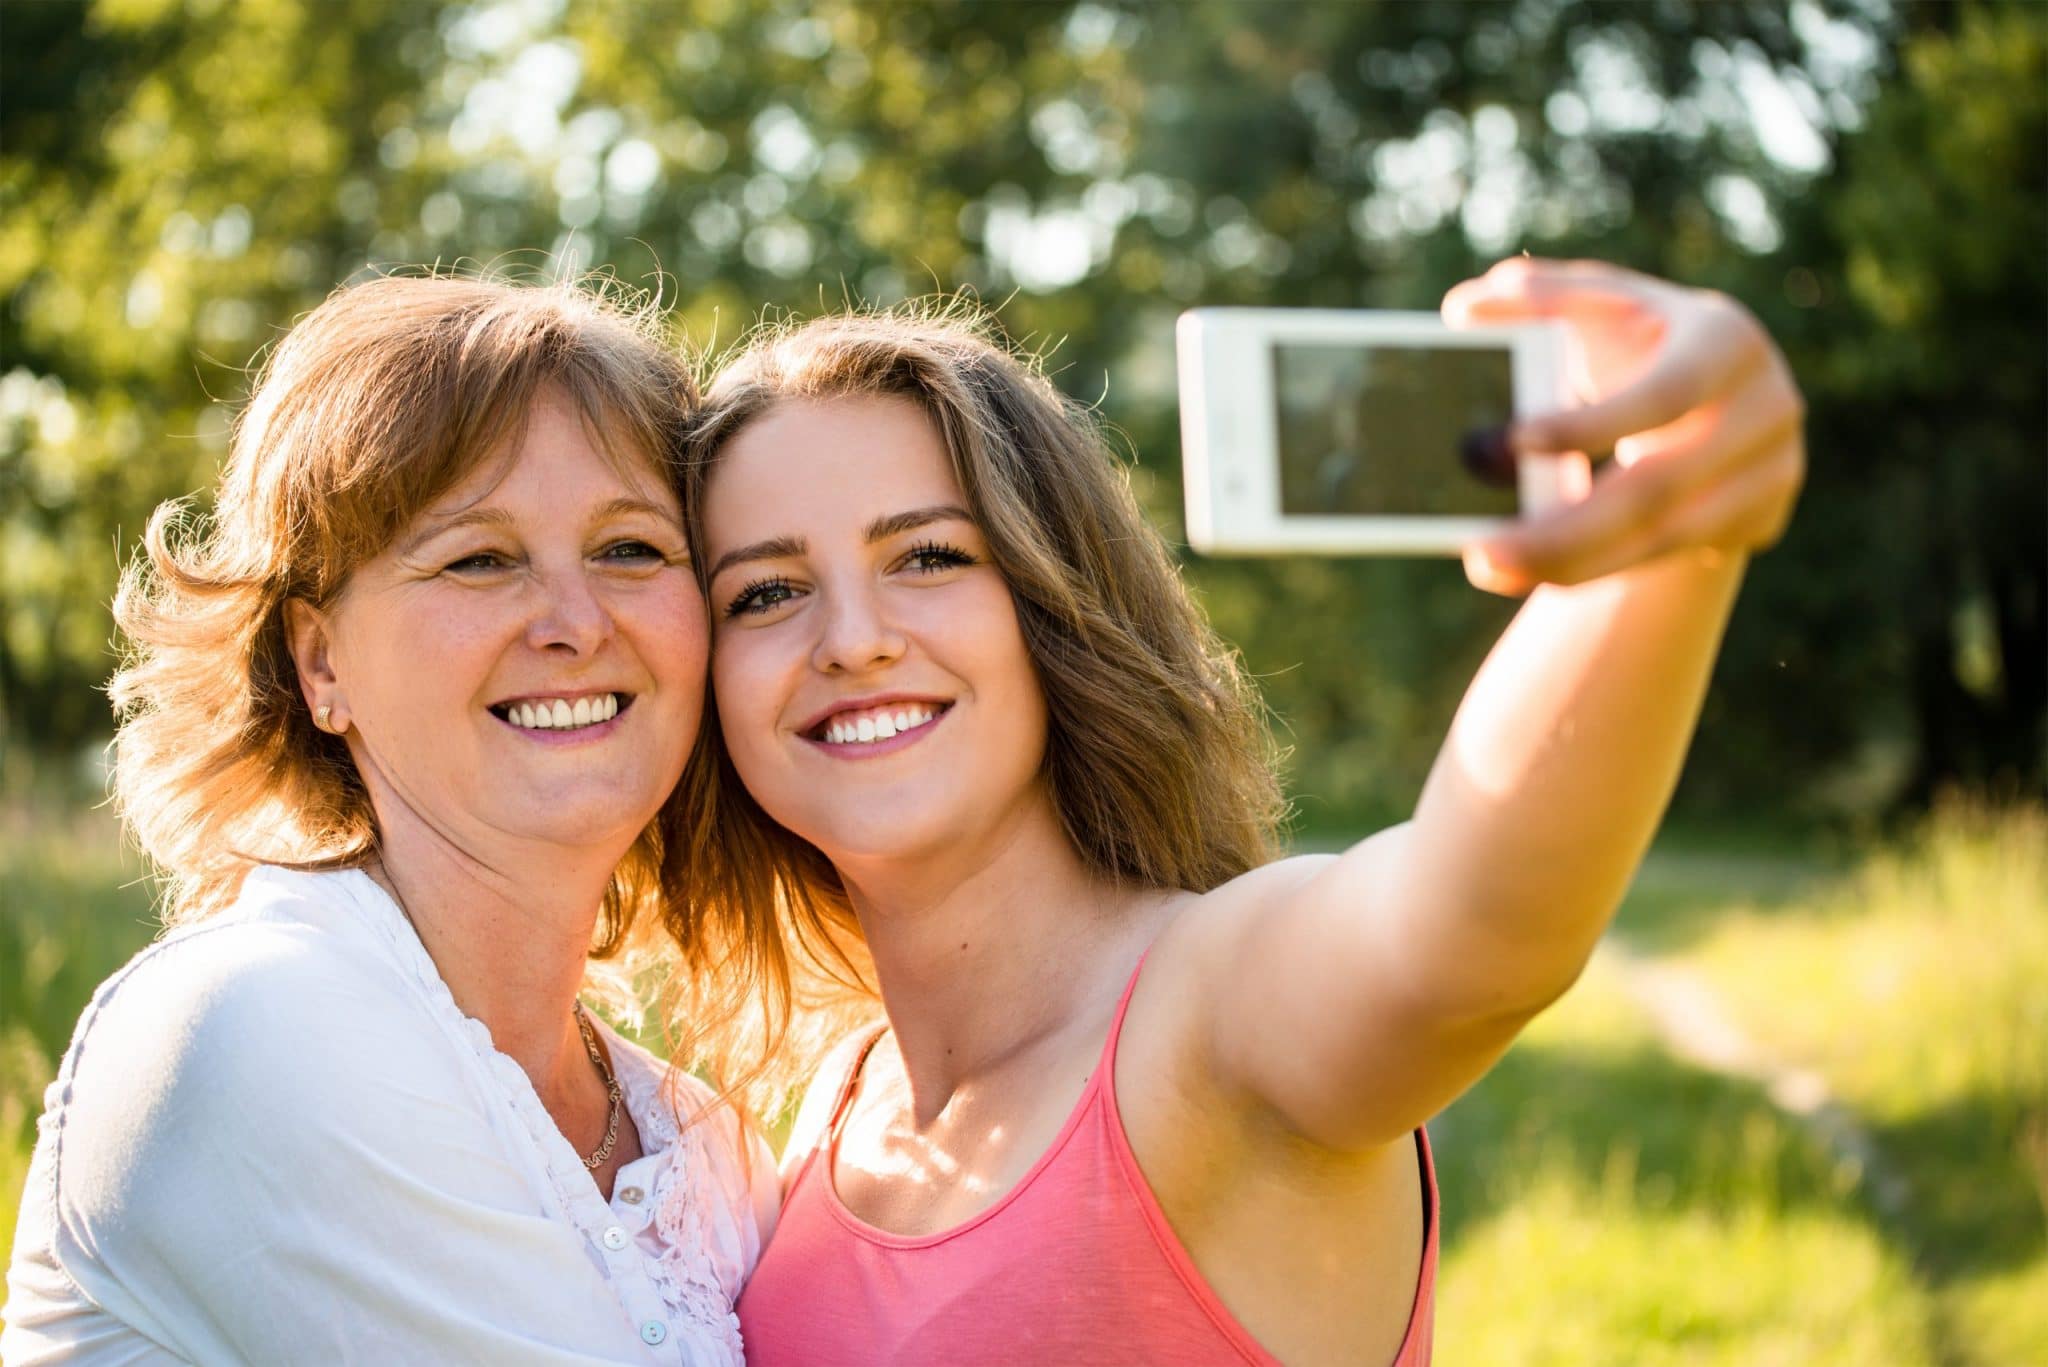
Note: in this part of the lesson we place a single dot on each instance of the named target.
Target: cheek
(380, 658)
(992, 630)
(743, 670)
(687, 650)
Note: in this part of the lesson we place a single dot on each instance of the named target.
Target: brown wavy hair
(1157, 758)
(374, 405)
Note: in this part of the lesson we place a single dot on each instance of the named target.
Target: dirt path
(1690, 1019)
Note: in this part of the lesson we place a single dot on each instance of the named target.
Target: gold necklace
(611, 1088)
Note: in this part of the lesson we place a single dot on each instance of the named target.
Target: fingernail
(1487, 573)
(1487, 455)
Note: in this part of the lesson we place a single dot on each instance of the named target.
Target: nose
(570, 618)
(856, 633)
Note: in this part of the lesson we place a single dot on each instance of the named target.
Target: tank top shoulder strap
(853, 1051)
(857, 1062)
(1105, 1067)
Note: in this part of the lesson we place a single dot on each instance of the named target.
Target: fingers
(1707, 349)
(1522, 288)
(1702, 342)
(1686, 388)
(1729, 429)
(1593, 537)
(1679, 494)
(1747, 512)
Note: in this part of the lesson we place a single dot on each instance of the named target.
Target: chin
(872, 835)
(585, 826)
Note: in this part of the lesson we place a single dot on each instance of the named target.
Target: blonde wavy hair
(371, 407)
(1158, 761)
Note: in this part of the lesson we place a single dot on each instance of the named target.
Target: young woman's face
(873, 685)
(527, 660)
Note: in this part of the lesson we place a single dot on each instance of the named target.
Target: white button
(615, 1238)
(654, 1331)
(632, 1196)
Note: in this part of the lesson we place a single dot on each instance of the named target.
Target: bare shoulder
(1165, 1057)
(1208, 930)
(1230, 968)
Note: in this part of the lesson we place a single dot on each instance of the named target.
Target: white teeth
(558, 714)
(877, 726)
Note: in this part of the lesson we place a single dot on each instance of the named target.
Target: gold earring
(322, 717)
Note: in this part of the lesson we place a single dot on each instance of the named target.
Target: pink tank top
(1075, 1265)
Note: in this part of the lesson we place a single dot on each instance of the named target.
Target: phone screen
(1374, 430)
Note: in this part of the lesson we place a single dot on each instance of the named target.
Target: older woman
(399, 724)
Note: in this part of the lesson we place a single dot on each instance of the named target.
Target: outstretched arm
(1357, 995)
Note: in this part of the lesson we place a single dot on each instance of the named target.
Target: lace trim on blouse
(691, 1274)
(699, 1270)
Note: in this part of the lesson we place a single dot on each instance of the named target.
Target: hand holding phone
(1310, 430)
(1684, 386)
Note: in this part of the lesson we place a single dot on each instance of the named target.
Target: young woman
(1146, 1093)
(400, 724)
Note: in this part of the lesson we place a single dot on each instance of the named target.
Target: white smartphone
(1338, 432)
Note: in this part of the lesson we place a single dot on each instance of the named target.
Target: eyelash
(474, 561)
(749, 599)
(638, 550)
(948, 557)
(641, 550)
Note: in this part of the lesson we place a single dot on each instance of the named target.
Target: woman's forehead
(831, 460)
(553, 430)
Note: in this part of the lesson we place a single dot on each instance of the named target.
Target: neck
(510, 935)
(981, 955)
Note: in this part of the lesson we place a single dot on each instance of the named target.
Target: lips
(561, 712)
(867, 721)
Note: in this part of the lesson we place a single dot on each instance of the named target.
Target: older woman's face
(526, 662)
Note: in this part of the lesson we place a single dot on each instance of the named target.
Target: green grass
(1919, 988)
(1605, 1202)
(73, 908)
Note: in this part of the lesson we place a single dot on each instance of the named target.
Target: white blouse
(276, 1139)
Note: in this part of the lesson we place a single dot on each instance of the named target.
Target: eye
(929, 557)
(633, 552)
(478, 562)
(762, 595)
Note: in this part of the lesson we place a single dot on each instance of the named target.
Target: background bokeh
(1855, 875)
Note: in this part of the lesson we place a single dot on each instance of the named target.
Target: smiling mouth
(562, 714)
(867, 725)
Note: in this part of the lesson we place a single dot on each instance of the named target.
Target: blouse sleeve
(265, 1153)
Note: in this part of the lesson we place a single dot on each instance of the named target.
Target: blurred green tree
(179, 178)
(1928, 370)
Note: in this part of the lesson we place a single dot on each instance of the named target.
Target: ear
(310, 635)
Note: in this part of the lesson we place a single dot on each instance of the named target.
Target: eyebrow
(888, 525)
(499, 518)
(623, 506)
(895, 524)
(467, 517)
